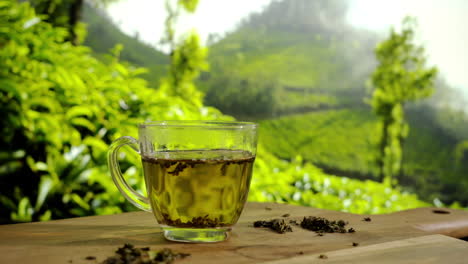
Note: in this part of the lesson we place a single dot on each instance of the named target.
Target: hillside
(340, 142)
(301, 55)
(103, 35)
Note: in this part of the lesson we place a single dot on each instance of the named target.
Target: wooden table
(413, 236)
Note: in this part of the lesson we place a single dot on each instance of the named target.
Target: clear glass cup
(197, 175)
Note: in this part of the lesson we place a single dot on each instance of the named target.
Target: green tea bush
(301, 183)
(343, 141)
(61, 108)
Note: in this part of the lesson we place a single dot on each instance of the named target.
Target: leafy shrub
(62, 108)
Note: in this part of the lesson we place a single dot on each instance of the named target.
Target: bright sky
(443, 25)
(212, 16)
(443, 30)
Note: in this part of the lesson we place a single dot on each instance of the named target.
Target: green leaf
(83, 122)
(76, 111)
(46, 185)
(46, 216)
(7, 202)
(25, 211)
(78, 200)
(10, 87)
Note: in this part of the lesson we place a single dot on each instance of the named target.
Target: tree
(67, 14)
(400, 77)
(187, 56)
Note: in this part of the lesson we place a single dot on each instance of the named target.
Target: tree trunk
(75, 16)
(383, 144)
(402, 140)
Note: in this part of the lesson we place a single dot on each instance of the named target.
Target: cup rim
(208, 124)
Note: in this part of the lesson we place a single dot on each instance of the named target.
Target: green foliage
(461, 151)
(62, 109)
(189, 5)
(401, 76)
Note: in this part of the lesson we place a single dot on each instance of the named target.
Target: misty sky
(443, 25)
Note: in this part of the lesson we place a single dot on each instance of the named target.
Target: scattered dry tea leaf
(367, 219)
(301, 253)
(268, 208)
(90, 258)
(439, 211)
(318, 224)
(168, 256)
(286, 215)
(129, 254)
(323, 256)
(278, 225)
(355, 244)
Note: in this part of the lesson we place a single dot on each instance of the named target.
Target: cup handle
(134, 197)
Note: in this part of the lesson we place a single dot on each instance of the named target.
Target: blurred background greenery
(350, 120)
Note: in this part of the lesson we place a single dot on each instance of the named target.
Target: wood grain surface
(72, 240)
(430, 249)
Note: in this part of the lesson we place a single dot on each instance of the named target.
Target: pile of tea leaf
(196, 222)
(128, 254)
(322, 225)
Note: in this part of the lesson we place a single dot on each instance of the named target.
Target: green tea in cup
(197, 175)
